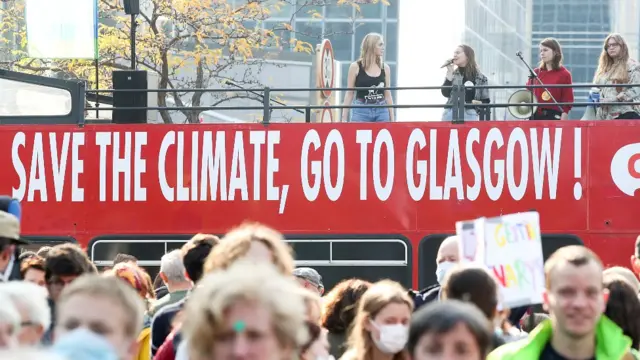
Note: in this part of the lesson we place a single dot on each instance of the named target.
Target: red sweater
(553, 77)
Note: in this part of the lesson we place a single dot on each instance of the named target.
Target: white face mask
(443, 269)
(393, 338)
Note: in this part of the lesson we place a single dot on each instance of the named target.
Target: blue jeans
(369, 114)
(469, 115)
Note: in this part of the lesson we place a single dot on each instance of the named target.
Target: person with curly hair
(339, 311)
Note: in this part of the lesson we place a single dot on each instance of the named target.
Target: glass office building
(581, 27)
(496, 29)
(344, 26)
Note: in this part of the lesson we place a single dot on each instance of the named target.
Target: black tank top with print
(364, 80)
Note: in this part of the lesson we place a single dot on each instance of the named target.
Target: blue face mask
(84, 344)
(443, 269)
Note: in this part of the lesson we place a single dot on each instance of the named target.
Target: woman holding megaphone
(551, 72)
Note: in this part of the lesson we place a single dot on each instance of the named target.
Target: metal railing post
(80, 103)
(307, 114)
(458, 93)
(266, 102)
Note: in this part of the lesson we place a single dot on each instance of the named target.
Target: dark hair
(26, 255)
(442, 316)
(34, 262)
(623, 307)
(43, 252)
(195, 253)
(123, 258)
(473, 284)
(531, 321)
(67, 260)
(554, 45)
(471, 69)
(341, 304)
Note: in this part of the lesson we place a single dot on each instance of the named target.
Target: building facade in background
(428, 36)
(581, 27)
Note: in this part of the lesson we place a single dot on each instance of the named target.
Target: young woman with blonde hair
(381, 327)
(369, 72)
(616, 67)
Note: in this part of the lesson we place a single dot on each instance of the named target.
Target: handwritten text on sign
(250, 165)
(513, 253)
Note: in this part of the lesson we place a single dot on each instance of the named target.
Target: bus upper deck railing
(268, 104)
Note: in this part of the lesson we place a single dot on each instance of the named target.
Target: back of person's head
(439, 326)
(195, 253)
(172, 268)
(26, 255)
(134, 276)
(257, 284)
(473, 284)
(572, 255)
(124, 258)
(251, 240)
(531, 321)
(623, 307)
(628, 275)
(112, 289)
(375, 312)
(31, 299)
(43, 252)
(67, 260)
(341, 304)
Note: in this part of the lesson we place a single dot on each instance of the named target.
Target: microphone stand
(533, 77)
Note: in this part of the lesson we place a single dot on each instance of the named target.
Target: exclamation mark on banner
(577, 162)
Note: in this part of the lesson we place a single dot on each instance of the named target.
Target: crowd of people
(241, 297)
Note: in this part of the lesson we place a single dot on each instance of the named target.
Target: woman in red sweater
(551, 72)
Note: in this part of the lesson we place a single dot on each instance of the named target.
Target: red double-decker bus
(353, 199)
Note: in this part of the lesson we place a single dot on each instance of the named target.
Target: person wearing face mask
(381, 327)
(448, 256)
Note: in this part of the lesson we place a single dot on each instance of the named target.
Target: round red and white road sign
(327, 68)
(327, 113)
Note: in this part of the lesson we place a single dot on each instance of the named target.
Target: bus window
(335, 259)
(428, 249)
(37, 242)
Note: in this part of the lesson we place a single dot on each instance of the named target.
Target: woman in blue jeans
(370, 72)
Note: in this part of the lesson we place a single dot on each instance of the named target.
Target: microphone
(449, 62)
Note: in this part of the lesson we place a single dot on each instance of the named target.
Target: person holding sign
(575, 298)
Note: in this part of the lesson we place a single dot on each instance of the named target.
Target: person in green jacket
(575, 298)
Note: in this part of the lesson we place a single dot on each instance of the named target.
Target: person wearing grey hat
(310, 279)
(9, 253)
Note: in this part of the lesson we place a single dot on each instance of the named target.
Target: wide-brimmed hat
(10, 228)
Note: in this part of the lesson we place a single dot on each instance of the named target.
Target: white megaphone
(521, 101)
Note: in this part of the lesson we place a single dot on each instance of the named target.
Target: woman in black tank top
(369, 72)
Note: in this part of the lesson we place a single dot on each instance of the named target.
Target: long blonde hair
(616, 69)
(378, 296)
(368, 50)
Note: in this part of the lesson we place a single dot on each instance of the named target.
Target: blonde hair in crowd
(615, 69)
(368, 50)
(260, 284)
(378, 296)
(114, 289)
(237, 242)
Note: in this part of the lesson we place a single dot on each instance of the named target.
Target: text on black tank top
(364, 80)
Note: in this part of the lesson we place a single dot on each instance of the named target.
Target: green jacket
(611, 344)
